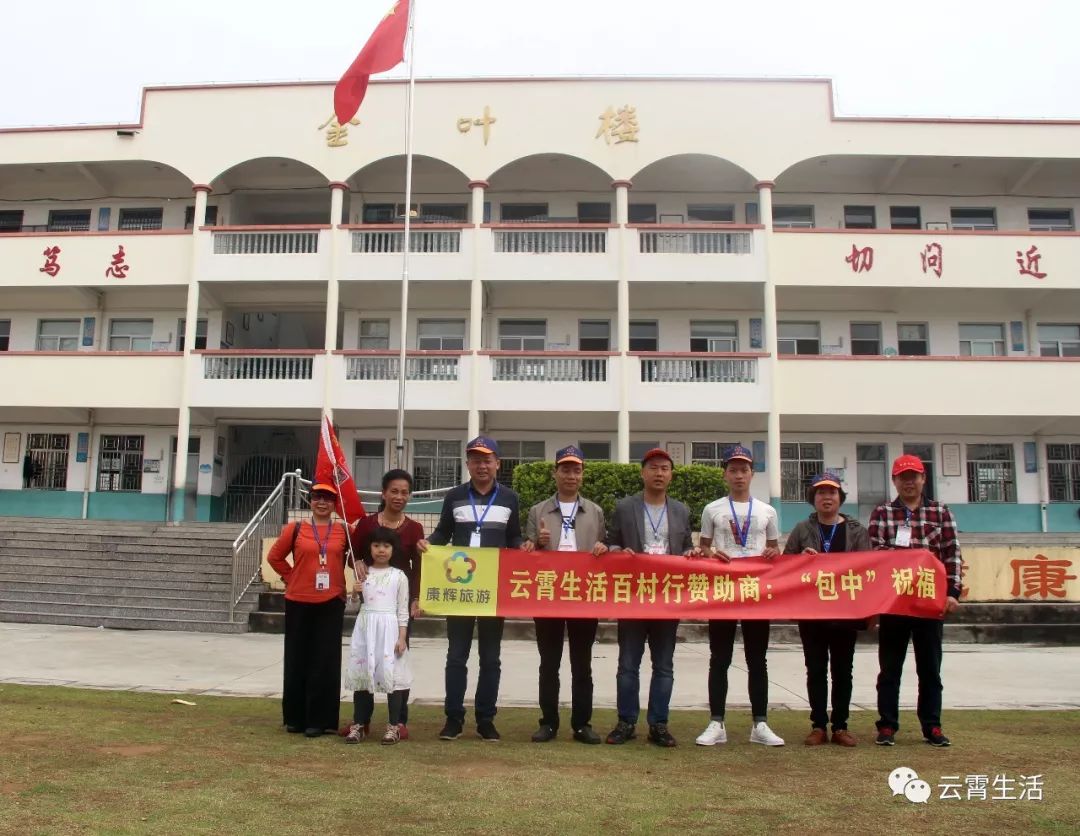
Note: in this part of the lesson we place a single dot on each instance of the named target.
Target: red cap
(907, 462)
(656, 453)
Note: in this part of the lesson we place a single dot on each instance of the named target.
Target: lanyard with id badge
(322, 577)
(567, 537)
(741, 533)
(474, 537)
(903, 532)
(657, 546)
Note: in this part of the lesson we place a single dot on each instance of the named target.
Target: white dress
(373, 666)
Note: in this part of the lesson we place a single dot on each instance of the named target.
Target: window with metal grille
(523, 212)
(5, 334)
(791, 217)
(135, 219)
(440, 334)
(798, 337)
(860, 217)
(982, 339)
(369, 461)
(978, 218)
(522, 334)
(1063, 472)
(374, 334)
(1058, 339)
(798, 462)
(913, 339)
(714, 336)
(130, 334)
(48, 454)
(596, 451)
(69, 220)
(120, 463)
(589, 212)
(444, 213)
(436, 464)
(709, 453)
(865, 338)
(189, 216)
(58, 335)
(991, 473)
(642, 213)
(905, 217)
(710, 213)
(200, 334)
(1050, 220)
(513, 453)
(11, 220)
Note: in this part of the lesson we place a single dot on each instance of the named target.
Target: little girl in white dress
(379, 655)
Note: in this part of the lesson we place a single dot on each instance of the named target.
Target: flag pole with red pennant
(332, 468)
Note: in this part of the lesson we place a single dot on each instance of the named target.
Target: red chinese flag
(331, 468)
(384, 50)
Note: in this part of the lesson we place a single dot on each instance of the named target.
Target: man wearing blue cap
(734, 527)
(567, 522)
(480, 513)
(828, 643)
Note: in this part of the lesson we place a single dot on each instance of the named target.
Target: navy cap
(483, 444)
(826, 479)
(738, 452)
(570, 454)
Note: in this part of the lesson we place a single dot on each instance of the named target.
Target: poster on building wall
(950, 460)
(82, 447)
(88, 325)
(12, 445)
(755, 333)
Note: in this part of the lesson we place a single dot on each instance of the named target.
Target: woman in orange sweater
(314, 614)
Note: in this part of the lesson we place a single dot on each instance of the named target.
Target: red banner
(517, 584)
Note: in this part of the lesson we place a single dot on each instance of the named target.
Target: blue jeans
(459, 633)
(660, 635)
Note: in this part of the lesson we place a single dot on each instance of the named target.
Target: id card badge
(322, 581)
(474, 539)
(903, 537)
(654, 548)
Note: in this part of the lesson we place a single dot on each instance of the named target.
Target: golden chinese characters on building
(618, 125)
(337, 135)
(467, 123)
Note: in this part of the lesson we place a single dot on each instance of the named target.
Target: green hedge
(607, 482)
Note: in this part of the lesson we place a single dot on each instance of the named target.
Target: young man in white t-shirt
(732, 528)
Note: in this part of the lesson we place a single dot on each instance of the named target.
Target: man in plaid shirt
(913, 521)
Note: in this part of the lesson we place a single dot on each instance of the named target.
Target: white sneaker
(765, 736)
(714, 733)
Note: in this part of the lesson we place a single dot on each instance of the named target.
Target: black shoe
(659, 735)
(622, 732)
(485, 730)
(294, 729)
(544, 734)
(450, 731)
(886, 736)
(313, 732)
(935, 738)
(586, 735)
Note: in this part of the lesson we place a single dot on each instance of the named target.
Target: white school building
(617, 263)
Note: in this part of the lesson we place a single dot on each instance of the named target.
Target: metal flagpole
(329, 448)
(406, 244)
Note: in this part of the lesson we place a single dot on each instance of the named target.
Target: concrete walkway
(976, 676)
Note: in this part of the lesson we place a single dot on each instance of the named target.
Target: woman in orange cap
(314, 614)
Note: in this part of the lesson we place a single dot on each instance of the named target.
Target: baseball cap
(483, 444)
(323, 486)
(570, 454)
(826, 479)
(738, 452)
(907, 462)
(656, 453)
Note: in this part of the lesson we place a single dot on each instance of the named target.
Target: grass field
(80, 761)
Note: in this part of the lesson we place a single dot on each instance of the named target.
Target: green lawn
(80, 761)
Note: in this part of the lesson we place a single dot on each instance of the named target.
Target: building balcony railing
(259, 378)
(692, 240)
(266, 242)
(241, 365)
(560, 381)
(550, 367)
(698, 369)
(381, 240)
(700, 382)
(262, 253)
(546, 239)
(437, 366)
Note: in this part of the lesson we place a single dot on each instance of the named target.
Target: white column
(476, 310)
(622, 320)
(191, 319)
(768, 324)
(333, 292)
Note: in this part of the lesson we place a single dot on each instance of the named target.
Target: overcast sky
(86, 61)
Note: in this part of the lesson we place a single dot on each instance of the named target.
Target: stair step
(93, 586)
(109, 563)
(147, 545)
(140, 598)
(110, 622)
(117, 610)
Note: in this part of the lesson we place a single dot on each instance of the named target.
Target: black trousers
(549, 641)
(893, 635)
(364, 706)
(828, 646)
(459, 634)
(311, 694)
(721, 648)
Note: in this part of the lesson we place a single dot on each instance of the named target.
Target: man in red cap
(911, 521)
